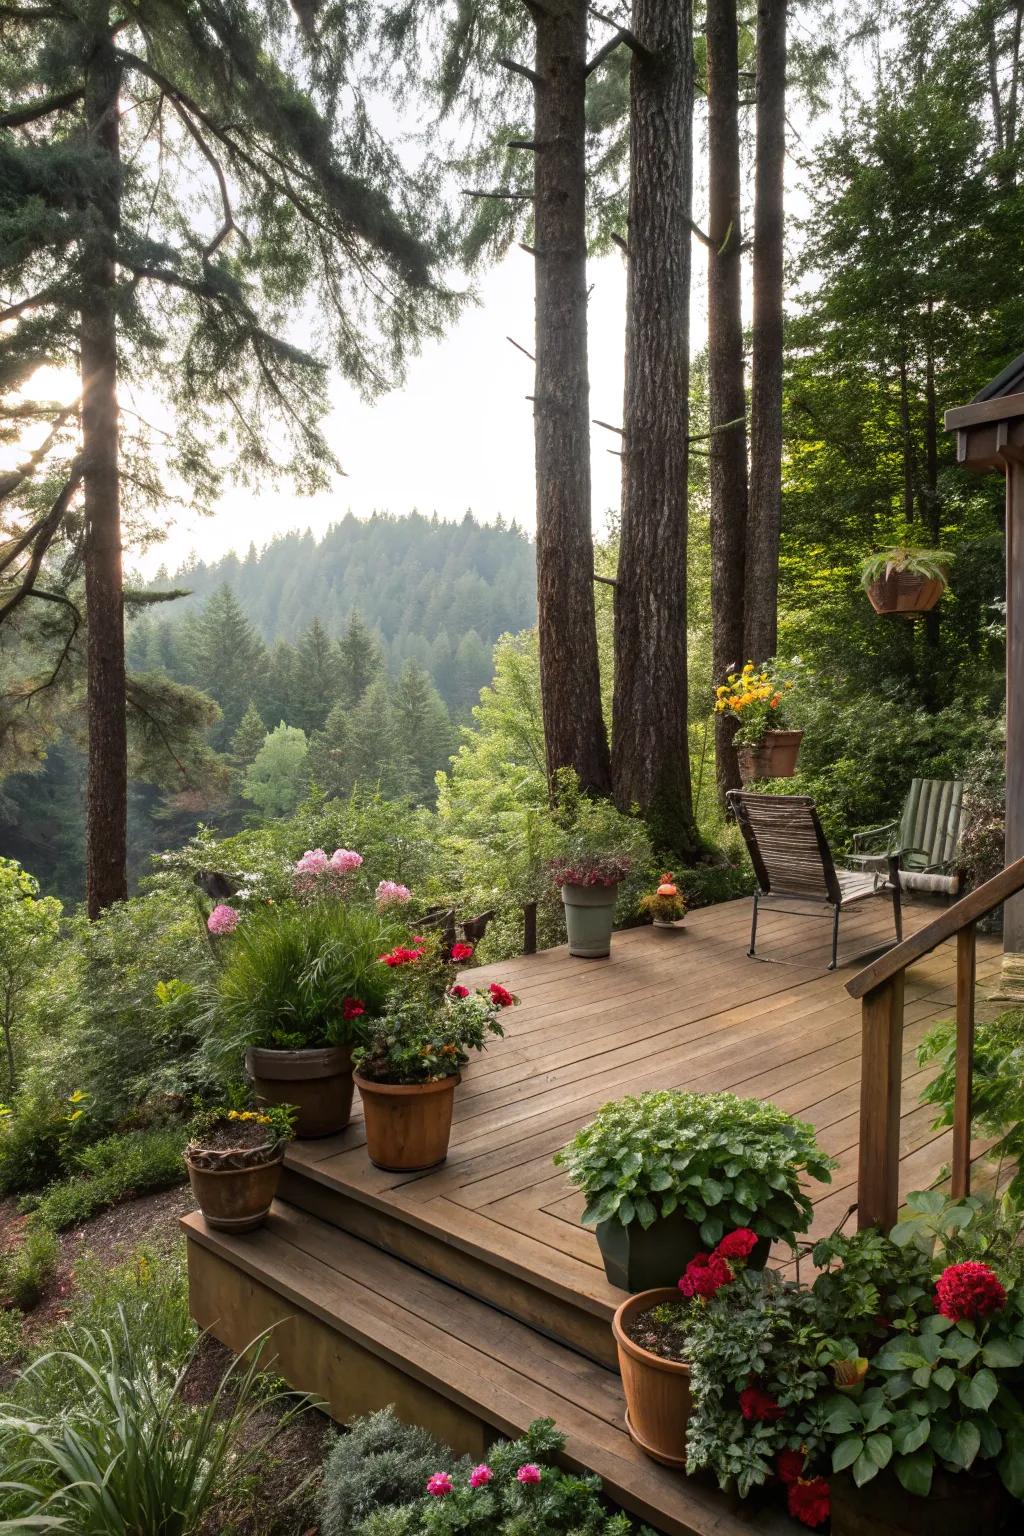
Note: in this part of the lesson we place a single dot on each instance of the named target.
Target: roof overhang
(988, 431)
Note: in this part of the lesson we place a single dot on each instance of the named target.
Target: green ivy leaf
(626, 1211)
(979, 1390)
(1003, 1353)
(957, 1443)
(909, 1432)
(847, 1452)
(864, 1469)
(646, 1212)
(915, 1472)
(1011, 1463)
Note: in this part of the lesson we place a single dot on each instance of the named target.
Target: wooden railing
(880, 988)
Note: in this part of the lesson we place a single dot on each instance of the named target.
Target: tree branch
(622, 35)
(32, 111)
(520, 69)
(17, 477)
(701, 236)
(44, 536)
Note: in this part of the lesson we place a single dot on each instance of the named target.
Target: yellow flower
(78, 1097)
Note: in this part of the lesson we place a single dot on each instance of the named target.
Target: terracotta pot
(775, 758)
(318, 1082)
(960, 1504)
(657, 1391)
(639, 1258)
(589, 918)
(235, 1199)
(408, 1124)
(904, 592)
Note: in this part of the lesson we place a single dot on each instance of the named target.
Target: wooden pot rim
(402, 1090)
(642, 1302)
(220, 1173)
(298, 1066)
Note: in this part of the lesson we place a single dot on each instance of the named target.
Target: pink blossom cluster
(223, 919)
(317, 875)
(440, 1483)
(390, 894)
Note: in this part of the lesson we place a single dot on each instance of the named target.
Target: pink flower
(312, 862)
(969, 1290)
(458, 990)
(439, 1484)
(389, 894)
(480, 1476)
(343, 860)
(222, 919)
(462, 951)
(530, 1473)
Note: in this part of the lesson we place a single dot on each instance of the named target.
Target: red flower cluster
(352, 1008)
(458, 990)
(808, 1500)
(501, 995)
(462, 951)
(401, 956)
(758, 1406)
(737, 1245)
(969, 1290)
(789, 1466)
(704, 1275)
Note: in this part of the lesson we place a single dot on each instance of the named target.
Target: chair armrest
(873, 834)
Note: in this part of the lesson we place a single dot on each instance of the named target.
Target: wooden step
(362, 1329)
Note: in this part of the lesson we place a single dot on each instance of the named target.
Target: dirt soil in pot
(660, 1330)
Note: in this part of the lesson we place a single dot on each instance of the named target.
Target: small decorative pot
(235, 1187)
(775, 758)
(959, 1504)
(408, 1125)
(639, 1259)
(317, 1081)
(671, 923)
(589, 917)
(657, 1391)
(904, 592)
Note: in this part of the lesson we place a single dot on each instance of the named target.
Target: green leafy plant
(128, 1163)
(932, 564)
(27, 1267)
(419, 1042)
(665, 905)
(293, 977)
(724, 1161)
(997, 1063)
(227, 1125)
(591, 843)
(127, 1454)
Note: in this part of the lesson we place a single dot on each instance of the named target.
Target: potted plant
(295, 988)
(234, 1160)
(666, 1174)
(652, 1333)
(766, 744)
(665, 906)
(409, 1068)
(905, 581)
(595, 848)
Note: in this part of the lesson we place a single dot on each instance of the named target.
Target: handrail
(976, 904)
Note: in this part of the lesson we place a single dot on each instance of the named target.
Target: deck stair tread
(477, 1357)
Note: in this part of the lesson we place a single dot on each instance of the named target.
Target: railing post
(966, 967)
(530, 928)
(881, 1082)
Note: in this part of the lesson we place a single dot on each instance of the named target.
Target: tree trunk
(764, 514)
(726, 392)
(574, 730)
(107, 794)
(650, 746)
(931, 513)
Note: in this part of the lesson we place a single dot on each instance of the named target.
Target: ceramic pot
(235, 1189)
(408, 1125)
(636, 1259)
(775, 758)
(657, 1391)
(959, 1504)
(904, 592)
(318, 1082)
(589, 916)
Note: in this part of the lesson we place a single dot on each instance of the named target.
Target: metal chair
(926, 837)
(792, 860)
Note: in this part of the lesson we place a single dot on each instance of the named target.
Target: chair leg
(835, 938)
(897, 909)
(753, 927)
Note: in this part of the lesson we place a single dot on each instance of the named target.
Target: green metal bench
(926, 837)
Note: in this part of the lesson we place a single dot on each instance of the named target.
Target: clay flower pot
(775, 758)
(589, 917)
(657, 1391)
(318, 1082)
(904, 592)
(408, 1125)
(235, 1187)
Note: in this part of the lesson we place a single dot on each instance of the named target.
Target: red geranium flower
(969, 1290)
(501, 995)
(808, 1500)
(789, 1465)
(352, 1008)
(759, 1406)
(401, 956)
(459, 990)
(737, 1245)
(704, 1275)
(462, 951)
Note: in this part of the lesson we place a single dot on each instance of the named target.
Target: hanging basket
(906, 593)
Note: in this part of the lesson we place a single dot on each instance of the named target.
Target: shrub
(380, 1462)
(997, 1100)
(129, 1163)
(724, 1161)
(10, 1336)
(33, 1133)
(26, 1269)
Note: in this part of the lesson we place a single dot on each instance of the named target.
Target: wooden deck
(498, 1223)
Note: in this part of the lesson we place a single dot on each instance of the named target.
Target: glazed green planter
(589, 915)
(636, 1259)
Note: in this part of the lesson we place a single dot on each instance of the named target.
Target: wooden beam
(1002, 408)
(967, 910)
(966, 976)
(881, 1081)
